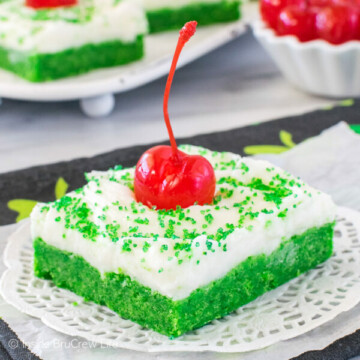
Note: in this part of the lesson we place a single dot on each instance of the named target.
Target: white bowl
(317, 66)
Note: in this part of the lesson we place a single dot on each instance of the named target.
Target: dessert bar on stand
(30, 58)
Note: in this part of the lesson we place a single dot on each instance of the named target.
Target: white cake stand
(96, 90)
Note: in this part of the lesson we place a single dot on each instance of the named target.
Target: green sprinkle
(44, 209)
(146, 247)
(283, 213)
(163, 248)
(209, 218)
(268, 223)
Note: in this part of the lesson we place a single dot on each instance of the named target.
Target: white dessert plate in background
(95, 90)
(159, 49)
(293, 309)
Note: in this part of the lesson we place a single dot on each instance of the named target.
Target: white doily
(288, 311)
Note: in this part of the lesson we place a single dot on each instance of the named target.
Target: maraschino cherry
(296, 21)
(336, 21)
(166, 177)
(47, 4)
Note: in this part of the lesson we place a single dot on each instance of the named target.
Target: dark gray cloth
(38, 184)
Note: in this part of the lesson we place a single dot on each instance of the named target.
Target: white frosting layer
(90, 22)
(174, 4)
(160, 270)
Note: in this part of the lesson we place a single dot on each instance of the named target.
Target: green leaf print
(344, 103)
(284, 136)
(264, 149)
(286, 139)
(347, 102)
(24, 206)
(60, 188)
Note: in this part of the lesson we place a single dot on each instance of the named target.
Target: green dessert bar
(70, 62)
(49, 44)
(204, 13)
(131, 300)
(176, 270)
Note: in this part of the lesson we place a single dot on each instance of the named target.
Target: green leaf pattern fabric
(285, 138)
(24, 206)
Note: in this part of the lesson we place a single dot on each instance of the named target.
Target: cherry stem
(185, 34)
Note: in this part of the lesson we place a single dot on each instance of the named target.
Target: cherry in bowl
(335, 21)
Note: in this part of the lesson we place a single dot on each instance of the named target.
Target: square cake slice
(166, 15)
(175, 270)
(48, 44)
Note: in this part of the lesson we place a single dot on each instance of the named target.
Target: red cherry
(296, 21)
(350, 3)
(166, 177)
(354, 9)
(320, 3)
(301, 4)
(41, 4)
(166, 182)
(270, 9)
(337, 24)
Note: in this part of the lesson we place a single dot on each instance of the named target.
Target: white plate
(159, 49)
(293, 309)
(316, 67)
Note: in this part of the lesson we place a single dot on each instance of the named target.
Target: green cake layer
(131, 300)
(76, 61)
(204, 14)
